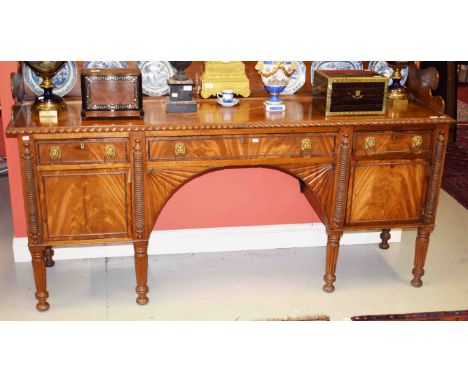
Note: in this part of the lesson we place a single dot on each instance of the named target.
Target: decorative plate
(297, 79)
(104, 64)
(64, 80)
(334, 65)
(382, 68)
(154, 77)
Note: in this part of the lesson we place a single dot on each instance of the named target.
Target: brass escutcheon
(306, 146)
(416, 144)
(55, 153)
(110, 151)
(179, 149)
(369, 145)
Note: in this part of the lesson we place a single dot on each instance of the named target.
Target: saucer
(234, 102)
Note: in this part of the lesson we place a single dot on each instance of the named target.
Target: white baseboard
(213, 240)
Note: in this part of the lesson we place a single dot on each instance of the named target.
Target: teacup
(227, 96)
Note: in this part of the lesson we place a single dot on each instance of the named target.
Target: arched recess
(162, 183)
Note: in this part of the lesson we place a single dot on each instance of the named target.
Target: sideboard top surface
(249, 113)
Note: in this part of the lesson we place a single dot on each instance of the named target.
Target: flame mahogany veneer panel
(387, 192)
(239, 146)
(86, 204)
(84, 151)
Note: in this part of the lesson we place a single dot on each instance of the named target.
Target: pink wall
(16, 189)
(234, 197)
(2, 139)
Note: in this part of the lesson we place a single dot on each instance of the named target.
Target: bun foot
(48, 253)
(385, 236)
(49, 263)
(142, 300)
(329, 280)
(417, 273)
(416, 283)
(42, 306)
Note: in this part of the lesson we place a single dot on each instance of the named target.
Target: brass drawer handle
(369, 145)
(55, 153)
(306, 146)
(179, 149)
(110, 151)
(416, 144)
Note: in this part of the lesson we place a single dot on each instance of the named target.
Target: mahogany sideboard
(89, 182)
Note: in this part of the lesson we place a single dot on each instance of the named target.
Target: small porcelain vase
(275, 77)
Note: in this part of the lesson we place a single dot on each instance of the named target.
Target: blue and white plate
(104, 64)
(334, 65)
(297, 79)
(154, 75)
(64, 80)
(382, 68)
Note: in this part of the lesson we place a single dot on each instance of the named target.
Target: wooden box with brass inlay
(348, 92)
(111, 93)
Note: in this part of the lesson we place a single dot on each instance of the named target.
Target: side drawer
(240, 146)
(390, 142)
(82, 151)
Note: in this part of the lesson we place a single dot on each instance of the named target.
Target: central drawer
(240, 146)
(82, 151)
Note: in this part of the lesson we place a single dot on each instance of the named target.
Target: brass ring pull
(110, 151)
(306, 146)
(416, 144)
(369, 145)
(55, 153)
(179, 150)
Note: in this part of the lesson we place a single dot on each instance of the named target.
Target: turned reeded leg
(333, 246)
(422, 244)
(141, 269)
(385, 236)
(39, 268)
(48, 253)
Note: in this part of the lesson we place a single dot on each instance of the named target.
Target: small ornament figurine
(275, 77)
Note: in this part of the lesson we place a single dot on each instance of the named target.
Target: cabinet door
(86, 204)
(386, 192)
